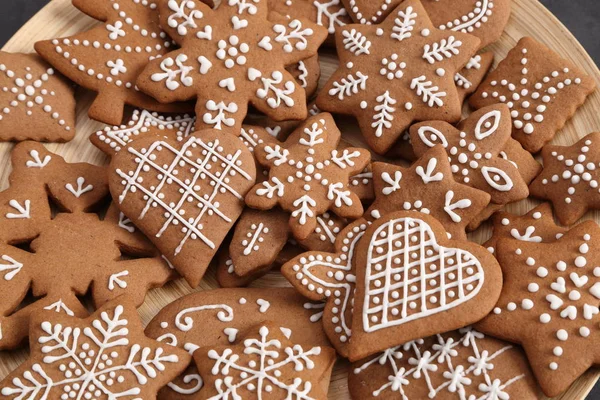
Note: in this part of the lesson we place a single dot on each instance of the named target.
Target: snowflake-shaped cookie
(266, 364)
(570, 178)
(474, 149)
(59, 258)
(551, 291)
(542, 90)
(536, 226)
(461, 365)
(105, 356)
(308, 175)
(229, 57)
(397, 72)
(109, 57)
(427, 186)
(35, 101)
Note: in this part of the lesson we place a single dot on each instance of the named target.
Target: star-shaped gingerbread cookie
(570, 178)
(397, 72)
(427, 186)
(536, 226)
(308, 175)
(549, 304)
(231, 56)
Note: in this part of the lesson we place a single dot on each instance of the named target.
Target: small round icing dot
(561, 334)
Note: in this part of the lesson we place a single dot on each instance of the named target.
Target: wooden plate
(529, 18)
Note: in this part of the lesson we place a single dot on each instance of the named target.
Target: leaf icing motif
(349, 85)
(383, 113)
(445, 48)
(428, 92)
(404, 24)
(356, 42)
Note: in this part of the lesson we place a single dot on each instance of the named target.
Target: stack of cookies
(227, 163)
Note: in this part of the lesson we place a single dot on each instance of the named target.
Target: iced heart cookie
(266, 362)
(397, 72)
(184, 196)
(36, 103)
(412, 282)
(485, 19)
(542, 90)
(428, 186)
(549, 304)
(463, 364)
(474, 150)
(219, 317)
(58, 256)
(108, 58)
(536, 226)
(309, 176)
(570, 178)
(103, 356)
(231, 56)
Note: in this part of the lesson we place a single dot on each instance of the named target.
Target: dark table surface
(582, 17)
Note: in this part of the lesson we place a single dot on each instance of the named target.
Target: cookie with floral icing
(428, 186)
(412, 282)
(185, 196)
(330, 14)
(266, 362)
(230, 57)
(103, 356)
(108, 58)
(549, 304)
(36, 102)
(463, 364)
(58, 256)
(485, 19)
(397, 72)
(542, 90)
(570, 178)
(221, 316)
(474, 149)
(309, 176)
(536, 226)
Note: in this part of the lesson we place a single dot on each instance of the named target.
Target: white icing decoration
(81, 189)
(429, 175)
(263, 305)
(404, 24)
(58, 307)
(497, 178)
(224, 315)
(430, 94)
(22, 211)
(174, 77)
(355, 42)
(446, 48)
(449, 206)
(394, 183)
(188, 18)
(333, 16)
(36, 161)
(11, 269)
(187, 379)
(125, 223)
(383, 117)
(349, 85)
(116, 280)
(296, 34)
(231, 334)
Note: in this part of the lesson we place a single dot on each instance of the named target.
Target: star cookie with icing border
(570, 178)
(549, 304)
(231, 56)
(542, 90)
(105, 355)
(309, 176)
(59, 257)
(36, 102)
(428, 186)
(397, 72)
(536, 226)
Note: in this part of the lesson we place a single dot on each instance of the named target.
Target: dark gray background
(582, 17)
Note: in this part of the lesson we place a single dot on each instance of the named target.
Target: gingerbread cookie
(309, 176)
(184, 196)
(463, 364)
(412, 281)
(307, 74)
(331, 277)
(473, 149)
(61, 257)
(485, 19)
(536, 226)
(231, 56)
(570, 178)
(143, 123)
(549, 304)
(428, 186)
(330, 14)
(217, 317)
(108, 58)
(542, 90)
(36, 102)
(103, 356)
(397, 72)
(266, 362)
(470, 77)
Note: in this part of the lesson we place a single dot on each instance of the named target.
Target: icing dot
(584, 331)
(580, 262)
(557, 351)
(533, 287)
(542, 272)
(553, 366)
(545, 318)
(527, 304)
(561, 334)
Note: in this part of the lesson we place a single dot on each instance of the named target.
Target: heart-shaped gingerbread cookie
(185, 196)
(413, 282)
